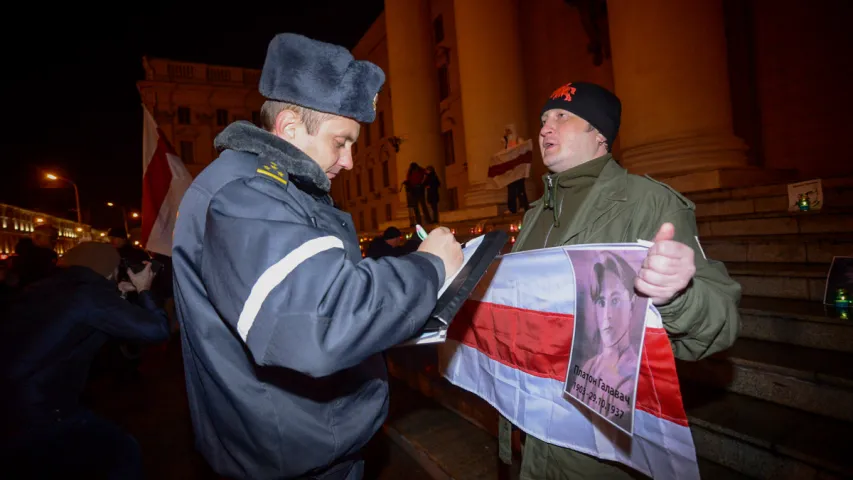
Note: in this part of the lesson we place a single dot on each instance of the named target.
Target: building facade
(712, 91)
(17, 223)
(193, 102)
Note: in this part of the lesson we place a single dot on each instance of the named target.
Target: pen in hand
(422, 234)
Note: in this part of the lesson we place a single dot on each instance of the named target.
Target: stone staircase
(773, 252)
(777, 404)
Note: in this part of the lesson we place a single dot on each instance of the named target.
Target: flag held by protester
(510, 345)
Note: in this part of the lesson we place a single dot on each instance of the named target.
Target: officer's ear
(286, 123)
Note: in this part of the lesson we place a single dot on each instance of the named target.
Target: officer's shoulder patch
(271, 170)
(678, 195)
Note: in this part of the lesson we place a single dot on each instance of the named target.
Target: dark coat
(51, 333)
(282, 322)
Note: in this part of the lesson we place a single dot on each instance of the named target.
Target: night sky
(69, 86)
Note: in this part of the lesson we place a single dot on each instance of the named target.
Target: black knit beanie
(594, 103)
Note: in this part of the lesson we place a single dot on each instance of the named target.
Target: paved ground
(154, 409)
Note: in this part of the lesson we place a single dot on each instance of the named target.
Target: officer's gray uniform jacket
(281, 320)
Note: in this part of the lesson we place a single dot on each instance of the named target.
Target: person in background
(35, 257)
(432, 183)
(48, 339)
(386, 245)
(414, 184)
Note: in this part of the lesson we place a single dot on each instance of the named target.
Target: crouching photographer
(48, 340)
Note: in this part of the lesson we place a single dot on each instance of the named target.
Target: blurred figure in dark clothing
(411, 245)
(415, 197)
(119, 356)
(131, 254)
(432, 183)
(35, 257)
(49, 336)
(386, 245)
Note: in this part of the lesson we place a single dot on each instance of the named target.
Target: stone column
(492, 87)
(414, 89)
(670, 71)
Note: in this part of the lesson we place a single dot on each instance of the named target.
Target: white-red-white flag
(164, 181)
(511, 342)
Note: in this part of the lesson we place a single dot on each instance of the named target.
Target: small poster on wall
(805, 196)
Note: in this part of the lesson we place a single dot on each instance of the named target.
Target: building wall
(193, 102)
(17, 223)
(804, 65)
(374, 156)
(554, 50)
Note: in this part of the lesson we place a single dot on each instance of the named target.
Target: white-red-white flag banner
(510, 344)
(511, 164)
(164, 181)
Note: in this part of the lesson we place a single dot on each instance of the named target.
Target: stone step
(836, 190)
(765, 440)
(834, 198)
(802, 248)
(448, 445)
(776, 224)
(817, 381)
(795, 322)
(805, 281)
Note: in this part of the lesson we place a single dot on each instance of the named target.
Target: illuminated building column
(671, 73)
(413, 81)
(492, 87)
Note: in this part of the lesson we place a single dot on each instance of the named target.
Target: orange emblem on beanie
(566, 91)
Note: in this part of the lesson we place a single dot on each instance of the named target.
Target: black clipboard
(463, 283)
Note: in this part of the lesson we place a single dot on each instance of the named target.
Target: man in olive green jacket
(589, 198)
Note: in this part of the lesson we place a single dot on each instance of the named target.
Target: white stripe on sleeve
(276, 274)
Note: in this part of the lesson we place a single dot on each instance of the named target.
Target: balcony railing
(185, 72)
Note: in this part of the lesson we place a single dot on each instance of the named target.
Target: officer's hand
(668, 268)
(441, 243)
(142, 281)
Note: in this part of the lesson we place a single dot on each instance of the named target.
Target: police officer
(282, 322)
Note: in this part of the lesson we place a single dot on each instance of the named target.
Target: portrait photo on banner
(608, 333)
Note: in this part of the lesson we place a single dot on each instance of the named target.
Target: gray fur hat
(320, 76)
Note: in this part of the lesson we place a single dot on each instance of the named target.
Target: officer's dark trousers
(79, 446)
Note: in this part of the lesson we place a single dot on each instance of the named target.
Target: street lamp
(123, 217)
(51, 176)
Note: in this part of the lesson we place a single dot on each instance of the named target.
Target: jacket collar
(301, 169)
(610, 189)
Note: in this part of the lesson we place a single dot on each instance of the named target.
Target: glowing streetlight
(123, 217)
(51, 176)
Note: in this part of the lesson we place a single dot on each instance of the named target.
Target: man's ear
(286, 123)
(600, 138)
